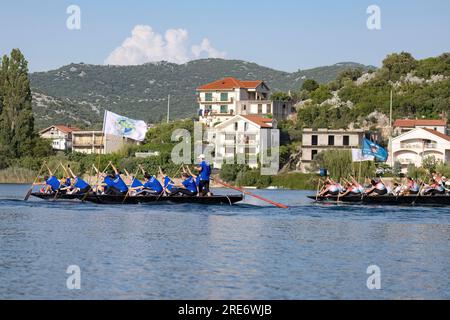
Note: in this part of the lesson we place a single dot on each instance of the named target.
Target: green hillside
(78, 93)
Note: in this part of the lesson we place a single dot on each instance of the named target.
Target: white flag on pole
(358, 156)
(118, 125)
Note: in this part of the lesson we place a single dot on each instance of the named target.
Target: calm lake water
(246, 251)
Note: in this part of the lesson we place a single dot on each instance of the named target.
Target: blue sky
(285, 34)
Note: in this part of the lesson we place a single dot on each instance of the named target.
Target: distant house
(315, 141)
(221, 100)
(95, 142)
(60, 135)
(415, 145)
(242, 136)
(404, 125)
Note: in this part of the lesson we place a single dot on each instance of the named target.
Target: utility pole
(168, 108)
(391, 158)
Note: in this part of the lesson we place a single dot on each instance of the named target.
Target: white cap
(202, 156)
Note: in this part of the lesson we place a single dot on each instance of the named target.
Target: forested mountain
(78, 93)
(421, 89)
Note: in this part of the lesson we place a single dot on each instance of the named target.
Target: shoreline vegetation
(289, 181)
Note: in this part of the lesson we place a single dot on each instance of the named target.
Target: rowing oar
(418, 194)
(27, 196)
(318, 188)
(97, 183)
(131, 184)
(251, 194)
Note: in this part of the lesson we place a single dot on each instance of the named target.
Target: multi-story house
(241, 137)
(221, 100)
(413, 146)
(95, 142)
(316, 141)
(60, 135)
(404, 125)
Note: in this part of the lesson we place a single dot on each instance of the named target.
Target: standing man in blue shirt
(204, 169)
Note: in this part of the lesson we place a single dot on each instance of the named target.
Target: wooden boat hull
(436, 200)
(113, 199)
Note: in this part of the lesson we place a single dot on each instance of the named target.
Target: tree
(280, 96)
(352, 74)
(16, 119)
(398, 64)
(310, 85)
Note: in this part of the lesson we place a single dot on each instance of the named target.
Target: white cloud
(206, 47)
(146, 45)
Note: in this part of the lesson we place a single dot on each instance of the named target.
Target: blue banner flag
(372, 149)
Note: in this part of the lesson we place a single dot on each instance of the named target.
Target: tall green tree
(16, 119)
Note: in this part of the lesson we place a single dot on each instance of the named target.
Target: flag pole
(168, 108)
(104, 134)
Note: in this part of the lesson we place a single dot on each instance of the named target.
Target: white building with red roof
(241, 138)
(413, 146)
(405, 125)
(61, 136)
(220, 100)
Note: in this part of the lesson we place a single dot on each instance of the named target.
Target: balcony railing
(418, 145)
(215, 101)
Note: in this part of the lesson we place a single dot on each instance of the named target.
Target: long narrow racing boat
(113, 199)
(436, 200)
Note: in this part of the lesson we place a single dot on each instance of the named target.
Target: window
(224, 96)
(331, 140)
(269, 108)
(314, 140)
(229, 137)
(223, 109)
(260, 108)
(229, 150)
(236, 126)
(245, 107)
(245, 126)
(346, 141)
(208, 96)
(313, 154)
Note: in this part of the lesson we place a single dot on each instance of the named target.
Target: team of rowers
(376, 187)
(113, 183)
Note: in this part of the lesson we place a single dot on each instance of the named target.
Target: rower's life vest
(53, 182)
(189, 184)
(153, 184)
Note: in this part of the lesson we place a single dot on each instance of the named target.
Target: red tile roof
(230, 83)
(67, 129)
(437, 133)
(260, 121)
(411, 123)
(63, 128)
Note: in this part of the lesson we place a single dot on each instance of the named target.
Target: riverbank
(16, 175)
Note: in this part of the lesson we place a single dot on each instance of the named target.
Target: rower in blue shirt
(204, 169)
(151, 186)
(187, 186)
(51, 182)
(80, 186)
(114, 184)
(168, 184)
